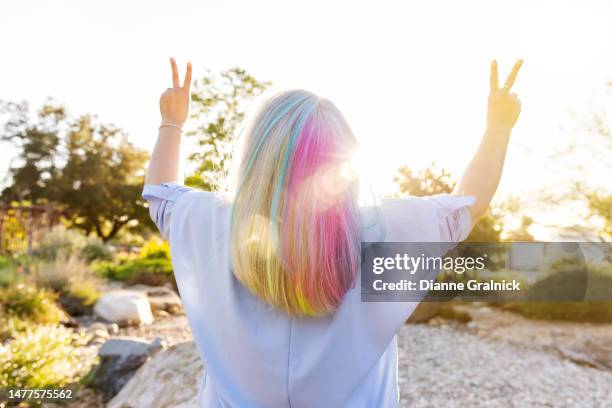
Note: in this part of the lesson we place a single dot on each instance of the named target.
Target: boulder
(119, 360)
(124, 307)
(596, 354)
(169, 379)
(161, 298)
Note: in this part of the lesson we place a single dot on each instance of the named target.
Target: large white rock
(169, 379)
(124, 306)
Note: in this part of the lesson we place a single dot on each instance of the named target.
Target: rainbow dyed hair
(294, 233)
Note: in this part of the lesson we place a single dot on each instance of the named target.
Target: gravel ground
(441, 366)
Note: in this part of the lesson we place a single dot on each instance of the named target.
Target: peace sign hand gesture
(504, 107)
(174, 102)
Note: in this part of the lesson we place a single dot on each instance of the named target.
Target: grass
(41, 356)
(29, 303)
(152, 266)
(583, 312)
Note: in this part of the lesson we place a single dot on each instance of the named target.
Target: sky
(411, 77)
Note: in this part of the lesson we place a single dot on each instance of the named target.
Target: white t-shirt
(258, 356)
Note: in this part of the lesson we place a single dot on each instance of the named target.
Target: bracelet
(170, 124)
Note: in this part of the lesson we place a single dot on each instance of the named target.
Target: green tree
(37, 142)
(433, 180)
(219, 104)
(88, 169)
(101, 182)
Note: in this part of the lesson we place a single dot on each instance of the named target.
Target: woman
(269, 279)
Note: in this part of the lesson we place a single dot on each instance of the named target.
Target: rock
(424, 312)
(590, 353)
(119, 360)
(112, 328)
(124, 306)
(99, 333)
(161, 298)
(169, 379)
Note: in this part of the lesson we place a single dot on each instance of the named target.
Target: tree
(88, 169)
(37, 142)
(101, 182)
(433, 180)
(584, 161)
(219, 104)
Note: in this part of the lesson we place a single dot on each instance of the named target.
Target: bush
(572, 291)
(96, 250)
(79, 298)
(148, 271)
(585, 312)
(61, 241)
(77, 285)
(30, 304)
(155, 249)
(39, 357)
(152, 266)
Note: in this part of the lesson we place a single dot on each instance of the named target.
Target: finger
(494, 80)
(512, 77)
(187, 82)
(175, 76)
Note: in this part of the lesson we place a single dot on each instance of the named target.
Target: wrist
(171, 125)
(498, 131)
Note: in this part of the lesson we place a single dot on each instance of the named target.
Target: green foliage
(428, 181)
(600, 206)
(61, 242)
(152, 266)
(28, 303)
(41, 356)
(450, 313)
(5, 262)
(583, 312)
(219, 103)
(88, 169)
(569, 281)
(75, 282)
(155, 249)
(37, 142)
(433, 180)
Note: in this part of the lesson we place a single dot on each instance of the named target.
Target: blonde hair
(295, 230)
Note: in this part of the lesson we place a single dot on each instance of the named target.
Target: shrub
(147, 271)
(31, 304)
(5, 262)
(75, 282)
(571, 292)
(80, 297)
(151, 267)
(155, 249)
(41, 356)
(96, 250)
(591, 312)
(61, 241)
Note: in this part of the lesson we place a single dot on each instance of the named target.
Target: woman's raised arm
(482, 175)
(174, 109)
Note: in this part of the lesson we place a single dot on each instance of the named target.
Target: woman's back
(259, 356)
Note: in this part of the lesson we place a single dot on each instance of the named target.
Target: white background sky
(411, 77)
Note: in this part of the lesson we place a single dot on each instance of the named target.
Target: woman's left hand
(504, 107)
(174, 102)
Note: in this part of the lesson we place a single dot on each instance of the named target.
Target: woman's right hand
(174, 102)
(504, 107)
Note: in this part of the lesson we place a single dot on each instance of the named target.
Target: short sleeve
(439, 218)
(454, 219)
(162, 198)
